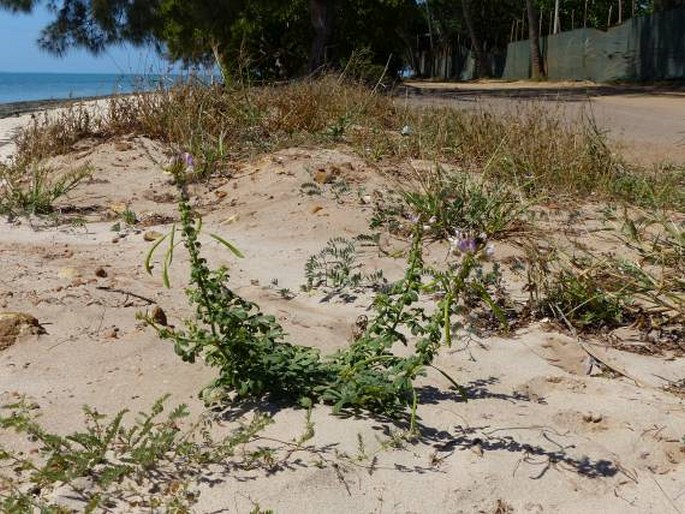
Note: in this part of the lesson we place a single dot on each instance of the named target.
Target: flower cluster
(186, 160)
(466, 243)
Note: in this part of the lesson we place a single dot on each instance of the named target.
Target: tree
(321, 12)
(537, 64)
(665, 5)
(482, 64)
(264, 38)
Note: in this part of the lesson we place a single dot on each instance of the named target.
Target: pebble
(16, 324)
(151, 235)
(158, 316)
(111, 332)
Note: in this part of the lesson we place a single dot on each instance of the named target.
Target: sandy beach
(541, 432)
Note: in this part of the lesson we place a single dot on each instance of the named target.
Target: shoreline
(15, 109)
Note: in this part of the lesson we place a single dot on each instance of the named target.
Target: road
(647, 122)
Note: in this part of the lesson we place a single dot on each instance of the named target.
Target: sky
(19, 51)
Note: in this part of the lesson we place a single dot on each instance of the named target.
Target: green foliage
(583, 300)
(587, 292)
(32, 189)
(111, 457)
(248, 39)
(336, 267)
(453, 201)
(249, 349)
(129, 217)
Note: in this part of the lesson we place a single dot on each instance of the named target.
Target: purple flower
(187, 159)
(464, 242)
(468, 245)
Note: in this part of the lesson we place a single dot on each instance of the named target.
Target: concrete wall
(641, 49)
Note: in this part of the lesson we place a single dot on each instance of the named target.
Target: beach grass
(539, 152)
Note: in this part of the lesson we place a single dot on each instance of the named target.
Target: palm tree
(537, 64)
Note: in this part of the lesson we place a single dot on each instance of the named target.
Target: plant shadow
(547, 454)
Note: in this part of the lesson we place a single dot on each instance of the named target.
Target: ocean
(23, 87)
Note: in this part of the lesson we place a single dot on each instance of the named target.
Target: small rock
(100, 272)
(69, 273)
(158, 316)
(115, 240)
(16, 324)
(111, 332)
(406, 131)
(118, 207)
(151, 235)
(592, 417)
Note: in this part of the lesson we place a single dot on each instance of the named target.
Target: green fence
(642, 49)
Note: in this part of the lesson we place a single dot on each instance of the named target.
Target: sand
(538, 433)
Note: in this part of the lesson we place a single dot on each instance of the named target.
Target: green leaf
(459, 388)
(148, 258)
(228, 245)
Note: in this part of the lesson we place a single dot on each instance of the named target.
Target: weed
(590, 293)
(451, 199)
(336, 267)
(29, 189)
(110, 463)
(582, 299)
(286, 293)
(311, 189)
(129, 217)
(254, 360)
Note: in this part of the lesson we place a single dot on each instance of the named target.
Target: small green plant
(30, 189)
(581, 298)
(249, 349)
(336, 130)
(129, 217)
(450, 200)
(336, 267)
(103, 464)
(311, 189)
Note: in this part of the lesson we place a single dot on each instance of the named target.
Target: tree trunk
(537, 64)
(482, 64)
(321, 12)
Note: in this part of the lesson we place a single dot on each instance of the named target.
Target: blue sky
(20, 53)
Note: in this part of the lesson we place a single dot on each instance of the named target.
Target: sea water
(22, 87)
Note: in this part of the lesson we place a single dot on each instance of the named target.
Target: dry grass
(536, 151)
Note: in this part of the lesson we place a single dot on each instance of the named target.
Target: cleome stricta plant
(254, 360)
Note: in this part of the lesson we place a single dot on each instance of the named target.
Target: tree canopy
(282, 38)
(267, 37)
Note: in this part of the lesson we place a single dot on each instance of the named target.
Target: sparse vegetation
(489, 171)
(451, 201)
(34, 188)
(111, 465)
(336, 268)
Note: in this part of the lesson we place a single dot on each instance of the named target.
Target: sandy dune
(538, 433)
